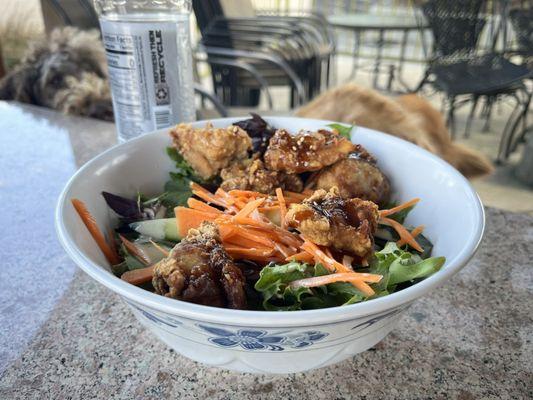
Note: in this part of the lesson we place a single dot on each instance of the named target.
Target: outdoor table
(360, 22)
(64, 336)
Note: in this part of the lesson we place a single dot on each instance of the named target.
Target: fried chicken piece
(199, 270)
(292, 183)
(327, 219)
(356, 176)
(251, 174)
(209, 149)
(306, 151)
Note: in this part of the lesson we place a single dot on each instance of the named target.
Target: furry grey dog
(66, 71)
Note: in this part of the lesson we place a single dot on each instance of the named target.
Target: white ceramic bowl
(274, 342)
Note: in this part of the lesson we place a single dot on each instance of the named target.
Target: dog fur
(409, 117)
(66, 71)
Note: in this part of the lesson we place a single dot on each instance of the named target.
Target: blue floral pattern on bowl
(257, 339)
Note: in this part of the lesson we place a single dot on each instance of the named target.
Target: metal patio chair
(250, 53)
(458, 66)
(521, 20)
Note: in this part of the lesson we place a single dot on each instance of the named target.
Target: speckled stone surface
(470, 339)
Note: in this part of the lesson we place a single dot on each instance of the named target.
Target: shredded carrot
(285, 252)
(187, 218)
(394, 210)
(162, 250)
(282, 208)
(201, 206)
(355, 278)
(135, 250)
(262, 251)
(329, 262)
(283, 235)
(301, 256)
(414, 233)
(255, 236)
(258, 254)
(207, 196)
(90, 223)
(332, 265)
(226, 230)
(405, 235)
(246, 193)
(249, 209)
(268, 208)
(234, 203)
(138, 276)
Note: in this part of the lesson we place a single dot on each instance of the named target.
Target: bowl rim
(276, 319)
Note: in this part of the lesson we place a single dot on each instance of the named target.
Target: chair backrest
(521, 18)
(207, 10)
(78, 13)
(456, 26)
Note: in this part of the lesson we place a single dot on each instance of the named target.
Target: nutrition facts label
(142, 60)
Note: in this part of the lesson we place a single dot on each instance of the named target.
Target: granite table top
(63, 336)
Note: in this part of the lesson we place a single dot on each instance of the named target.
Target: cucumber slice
(158, 229)
(273, 216)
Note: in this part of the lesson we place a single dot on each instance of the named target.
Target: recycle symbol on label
(162, 93)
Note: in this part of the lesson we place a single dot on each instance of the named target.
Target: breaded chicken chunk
(306, 151)
(327, 219)
(251, 174)
(199, 270)
(356, 176)
(209, 149)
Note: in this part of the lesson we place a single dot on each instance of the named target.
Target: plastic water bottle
(147, 43)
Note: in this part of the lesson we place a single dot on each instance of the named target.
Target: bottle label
(142, 61)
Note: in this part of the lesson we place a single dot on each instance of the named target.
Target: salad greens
(396, 265)
(177, 189)
(147, 231)
(343, 130)
(278, 295)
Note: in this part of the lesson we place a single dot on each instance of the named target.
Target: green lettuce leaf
(401, 215)
(400, 271)
(273, 285)
(182, 167)
(344, 130)
(400, 266)
(177, 189)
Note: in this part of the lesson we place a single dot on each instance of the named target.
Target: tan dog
(409, 117)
